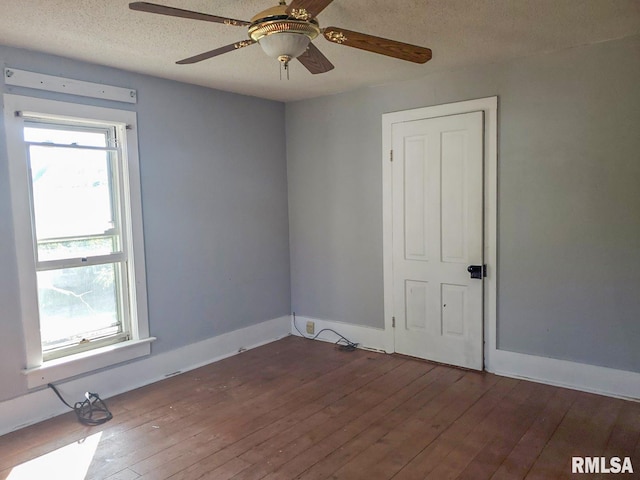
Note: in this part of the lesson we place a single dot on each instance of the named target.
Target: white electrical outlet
(311, 327)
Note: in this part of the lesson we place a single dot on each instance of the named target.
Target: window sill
(84, 362)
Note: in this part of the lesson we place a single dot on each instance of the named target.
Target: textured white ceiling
(460, 33)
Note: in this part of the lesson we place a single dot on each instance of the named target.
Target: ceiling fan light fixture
(284, 46)
(281, 37)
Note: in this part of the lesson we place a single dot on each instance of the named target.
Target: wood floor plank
(298, 409)
(325, 457)
(269, 455)
(302, 451)
(392, 452)
(126, 474)
(528, 448)
(480, 437)
(277, 428)
(226, 471)
(349, 407)
(216, 426)
(263, 413)
(626, 432)
(455, 420)
(583, 432)
(623, 439)
(490, 446)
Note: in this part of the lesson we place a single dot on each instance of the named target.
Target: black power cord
(343, 342)
(92, 411)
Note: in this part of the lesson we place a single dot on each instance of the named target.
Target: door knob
(477, 271)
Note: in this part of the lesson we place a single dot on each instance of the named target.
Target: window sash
(117, 258)
(116, 182)
(94, 338)
(84, 347)
(45, 265)
(71, 146)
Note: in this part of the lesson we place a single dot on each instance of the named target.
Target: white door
(437, 211)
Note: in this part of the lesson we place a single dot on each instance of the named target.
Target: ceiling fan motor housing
(281, 36)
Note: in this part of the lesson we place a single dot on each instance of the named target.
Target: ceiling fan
(285, 32)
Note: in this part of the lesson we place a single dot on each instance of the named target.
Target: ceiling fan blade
(178, 12)
(306, 9)
(216, 52)
(384, 46)
(315, 61)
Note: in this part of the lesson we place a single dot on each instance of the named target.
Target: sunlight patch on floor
(70, 462)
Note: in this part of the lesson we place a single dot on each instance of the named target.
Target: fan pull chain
(284, 65)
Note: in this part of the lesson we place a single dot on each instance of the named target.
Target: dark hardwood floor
(303, 409)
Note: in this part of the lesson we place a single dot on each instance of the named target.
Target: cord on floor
(92, 411)
(343, 343)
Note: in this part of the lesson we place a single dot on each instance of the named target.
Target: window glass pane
(71, 193)
(86, 138)
(78, 303)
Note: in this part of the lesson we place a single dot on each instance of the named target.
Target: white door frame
(489, 106)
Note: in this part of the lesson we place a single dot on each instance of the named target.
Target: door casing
(489, 106)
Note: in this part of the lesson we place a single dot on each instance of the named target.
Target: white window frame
(37, 371)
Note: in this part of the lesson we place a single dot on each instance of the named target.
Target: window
(78, 228)
(81, 262)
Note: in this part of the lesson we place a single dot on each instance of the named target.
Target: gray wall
(214, 194)
(569, 199)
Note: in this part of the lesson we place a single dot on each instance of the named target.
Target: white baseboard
(366, 337)
(43, 404)
(577, 376)
(561, 373)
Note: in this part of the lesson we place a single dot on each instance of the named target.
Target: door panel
(415, 199)
(416, 304)
(437, 178)
(453, 194)
(453, 314)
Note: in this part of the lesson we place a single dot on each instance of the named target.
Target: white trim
(42, 404)
(562, 373)
(489, 106)
(368, 338)
(90, 360)
(125, 122)
(50, 83)
(22, 229)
